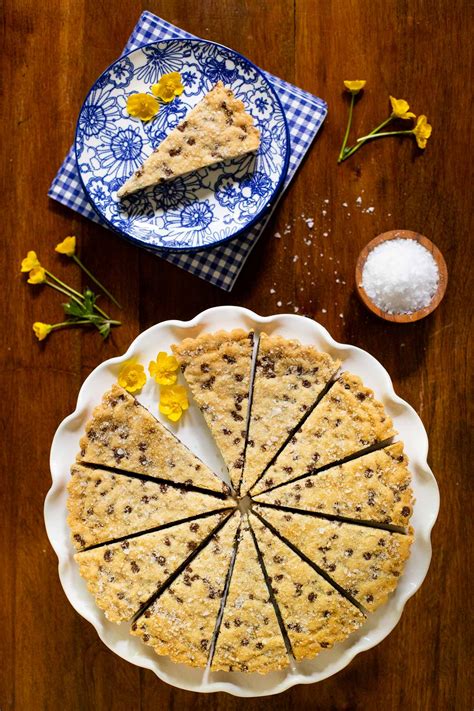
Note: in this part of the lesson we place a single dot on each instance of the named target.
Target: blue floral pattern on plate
(200, 209)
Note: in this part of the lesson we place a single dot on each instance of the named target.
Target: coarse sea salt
(400, 276)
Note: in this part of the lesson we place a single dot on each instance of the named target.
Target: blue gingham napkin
(220, 266)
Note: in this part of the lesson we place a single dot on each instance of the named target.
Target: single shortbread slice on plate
(314, 613)
(366, 562)
(217, 367)
(346, 420)
(181, 622)
(289, 377)
(374, 487)
(217, 128)
(249, 637)
(104, 506)
(123, 576)
(122, 434)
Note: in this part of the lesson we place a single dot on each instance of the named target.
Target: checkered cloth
(220, 266)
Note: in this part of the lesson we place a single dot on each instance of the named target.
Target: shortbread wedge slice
(123, 576)
(181, 622)
(249, 637)
(217, 128)
(348, 419)
(366, 562)
(217, 367)
(314, 613)
(104, 506)
(289, 377)
(122, 434)
(374, 487)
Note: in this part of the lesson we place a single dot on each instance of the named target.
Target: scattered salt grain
(310, 222)
(326, 202)
(279, 303)
(359, 200)
(295, 258)
(277, 235)
(272, 291)
(400, 276)
(370, 210)
(344, 204)
(296, 309)
(324, 311)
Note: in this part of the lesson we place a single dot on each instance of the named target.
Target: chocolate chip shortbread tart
(217, 368)
(122, 434)
(374, 487)
(217, 128)
(104, 506)
(289, 377)
(249, 637)
(124, 575)
(314, 613)
(181, 622)
(347, 420)
(365, 561)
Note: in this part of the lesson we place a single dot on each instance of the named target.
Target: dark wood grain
(420, 50)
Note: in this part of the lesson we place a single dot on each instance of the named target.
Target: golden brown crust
(217, 368)
(289, 377)
(366, 562)
(122, 434)
(123, 576)
(346, 420)
(104, 506)
(315, 614)
(374, 487)
(181, 622)
(217, 128)
(249, 637)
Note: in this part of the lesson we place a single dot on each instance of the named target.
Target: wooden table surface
(418, 50)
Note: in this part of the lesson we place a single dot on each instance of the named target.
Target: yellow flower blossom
(142, 106)
(354, 86)
(37, 276)
(173, 402)
(30, 262)
(41, 330)
(67, 246)
(132, 376)
(164, 369)
(422, 131)
(400, 109)
(169, 86)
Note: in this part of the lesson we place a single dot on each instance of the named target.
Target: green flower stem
(96, 281)
(65, 324)
(360, 141)
(64, 286)
(65, 291)
(348, 128)
(385, 133)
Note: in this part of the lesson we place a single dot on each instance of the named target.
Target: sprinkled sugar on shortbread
(288, 379)
(314, 613)
(366, 562)
(104, 506)
(249, 637)
(181, 622)
(374, 487)
(217, 128)
(348, 419)
(217, 368)
(123, 576)
(124, 435)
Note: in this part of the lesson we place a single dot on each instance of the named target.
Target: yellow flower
(142, 106)
(41, 330)
(132, 376)
(30, 262)
(422, 131)
(400, 109)
(67, 246)
(37, 276)
(355, 86)
(173, 402)
(164, 368)
(168, 87)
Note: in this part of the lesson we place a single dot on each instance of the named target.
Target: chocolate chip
(205, 367)
(259, 645)
(207, 384)
(324, 645)
(244, 642)
(124, 545)
(108, 555)
(367, 556)
(277, 559)
(135, 567)
(145, 637)
(142, 446)
(308, 484)
(229, 359)
(120, 595)
(312, 596)
(236, 416)
(306, 384)
(239, 377)
(79, 539)
(182, 126)
(174, 151)
(194, 527)
(405, 511)
(369, 598)
(191, 141)
(110, 509)
(128, 509)
(288, 470)
(145, 499)
(361, 396)
(203, 644)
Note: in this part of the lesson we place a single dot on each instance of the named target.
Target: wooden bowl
(442, 269)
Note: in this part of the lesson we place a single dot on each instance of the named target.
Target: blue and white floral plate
(202, 208)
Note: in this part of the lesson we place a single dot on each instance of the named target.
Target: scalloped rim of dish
(261, 215)
(329, 662)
